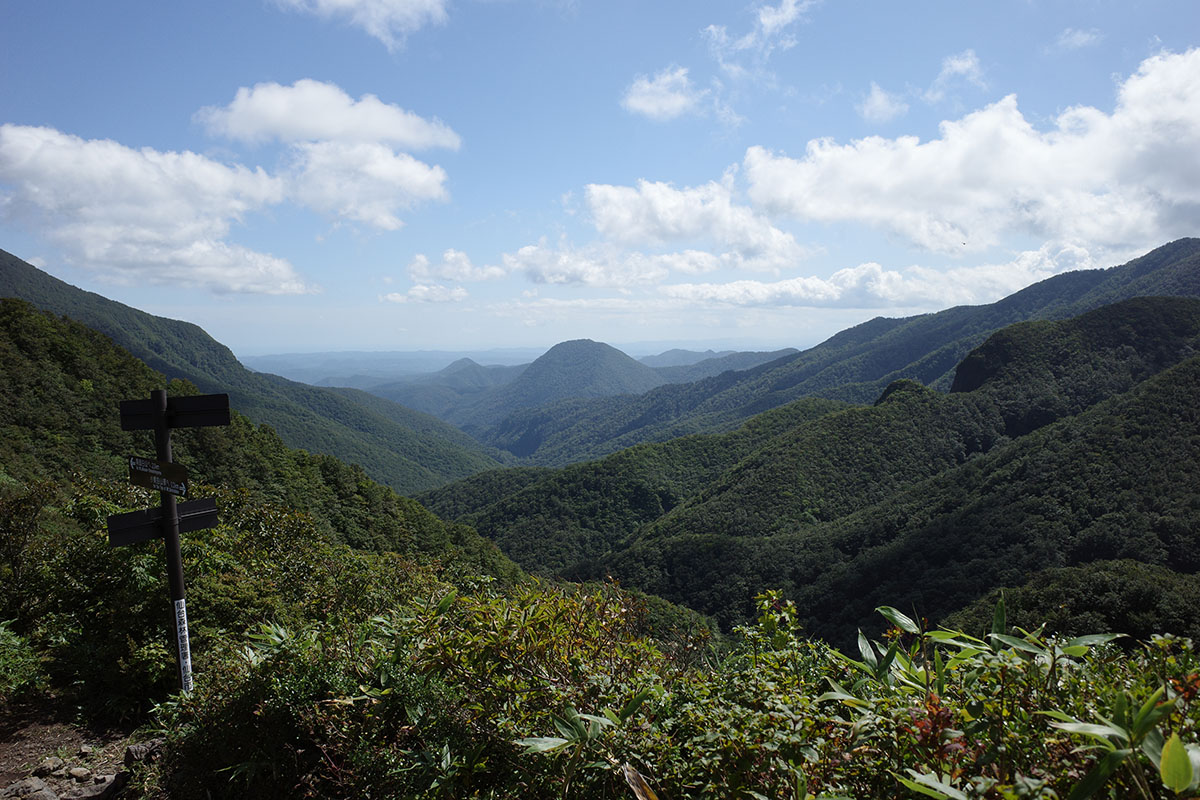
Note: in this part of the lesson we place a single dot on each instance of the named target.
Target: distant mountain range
(855, 365)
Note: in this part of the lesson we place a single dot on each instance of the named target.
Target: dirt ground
(30, 732)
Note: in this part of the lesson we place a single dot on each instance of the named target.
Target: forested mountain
(580, 368)
(822, 497)
(404, 449)
(61, 385)
(855, 365)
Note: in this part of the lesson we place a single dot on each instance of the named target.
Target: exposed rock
(86, 750)
(48, 766)
(28, 789)
(143, 751)
(81, 774)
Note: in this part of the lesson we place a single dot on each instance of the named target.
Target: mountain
(718, 363)
(856, 364)
(812, 496)
(405, 449)
(438, 393)
(579, 368)
(62, 383)
(681, 358)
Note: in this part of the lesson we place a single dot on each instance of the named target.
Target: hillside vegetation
(404, 449)
(826, 504)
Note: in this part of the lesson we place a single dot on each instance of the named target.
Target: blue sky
(304, 175)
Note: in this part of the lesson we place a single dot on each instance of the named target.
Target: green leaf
(1096, 777)
(868, 652)
(634, 704)
(899, 620)
(1150, 713)
(999, 617)
(1017, 644)
(930, 786)
(1103, 732)
(542, 744)
(1093, 639)
(1176, 766)
(446, 602)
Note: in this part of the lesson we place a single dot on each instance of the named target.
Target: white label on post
(185, 652)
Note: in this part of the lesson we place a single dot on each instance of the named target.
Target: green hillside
(855, 365)
(1117, 480)
(62, 383)
(407, 450)
(564, 521)
(580, 368)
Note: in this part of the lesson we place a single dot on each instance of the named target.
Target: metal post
(170, 525)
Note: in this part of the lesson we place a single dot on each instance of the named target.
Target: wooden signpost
(171, 480)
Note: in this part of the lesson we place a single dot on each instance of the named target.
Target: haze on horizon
(402, 175)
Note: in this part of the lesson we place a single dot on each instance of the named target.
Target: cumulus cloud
(667, 95)
(956, 69)
(341, 156)
(655, 213)
(363, 182)
(389, 21)
(454, 266)
(141, 216)
(428, 293)
(1122, 180)
(597, 265)
(881, 106)
(310, 110)
(1075, 39)
(872, 286)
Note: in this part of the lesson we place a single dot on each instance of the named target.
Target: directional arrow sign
(140, 526)
(195, 411)
(162, 476)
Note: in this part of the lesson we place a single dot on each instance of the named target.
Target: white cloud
(881, 106)
(597, 265)
(769, 32)
(1124, 180)
(310, 110)
(1075, 39)
(454, 266)
(363, 182)
(141, 216)
(389, 21)
(428, 293)
(956, 69)
(655, 213)
(667, 95)
(872, 286)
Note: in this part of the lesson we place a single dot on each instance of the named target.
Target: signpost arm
(170, 527)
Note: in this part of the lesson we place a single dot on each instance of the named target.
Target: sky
(324, 175)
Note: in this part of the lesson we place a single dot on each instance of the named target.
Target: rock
(106, 786)
(86, 750)
(143, 751)
(29, 789)
(81, 774)
(47, 766)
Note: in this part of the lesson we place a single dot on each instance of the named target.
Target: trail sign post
(169, 520)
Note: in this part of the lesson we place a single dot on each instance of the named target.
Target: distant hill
(856, 364)
(580, 368)
(457, 384)
(682, 358)
(404, 449)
